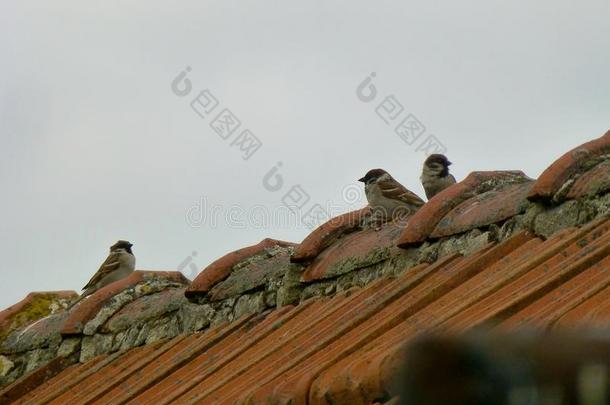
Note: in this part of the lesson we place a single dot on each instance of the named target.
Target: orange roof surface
(345, 348)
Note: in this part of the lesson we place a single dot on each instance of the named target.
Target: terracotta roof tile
(380, 310)
(69, 378)
(336, 350)
(361, 372)
(221, 268)
(16, 392)
(367, 370)
(147, 307)
(593, 182)
(484, 209)
(341, 345)
(214, 369)
(96, 384)
(174, 375)
(565, 263)
(593, 312)
(424, 221)
(352, 251)
(86, 309)
(444, 308)
(318, 347)
(405, 298)
(34, 306)
(570, 164)
(251, 276)
(551, 307)
(43, 332)
(327, 233)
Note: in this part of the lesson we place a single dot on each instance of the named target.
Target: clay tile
(593, 312)
(32, 380)
(326, 234)
(152, 306)
(424, 221)
(594, 182)
(86, 310)
(556, 176)
(484, 209)
(251, 276)
(221, 268)
(355, 250)
(34, 306)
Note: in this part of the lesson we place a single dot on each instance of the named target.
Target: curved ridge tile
(44, 332)
(221, 268)
(328, 233)
(34, 306)
(88, 308)
(423, 222)
(355, 250)
(485, 209)
(556, 176)
(594, 182)
(253, 275)
(145, 308)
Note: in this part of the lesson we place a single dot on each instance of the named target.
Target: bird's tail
(85, 294)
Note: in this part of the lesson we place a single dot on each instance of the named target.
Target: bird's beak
(361, 179)
(449, 163)
(131, 244)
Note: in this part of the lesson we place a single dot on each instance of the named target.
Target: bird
(435, 175)
(119, 264)
(388, 198)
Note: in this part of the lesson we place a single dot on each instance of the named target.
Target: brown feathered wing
(394, 190)
(110, 264)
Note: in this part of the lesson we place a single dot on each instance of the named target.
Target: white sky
(95, 146)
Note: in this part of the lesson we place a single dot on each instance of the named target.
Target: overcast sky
(97, 145)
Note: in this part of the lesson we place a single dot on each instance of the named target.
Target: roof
(327, 320)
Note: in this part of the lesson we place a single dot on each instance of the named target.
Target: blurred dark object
(518, 368)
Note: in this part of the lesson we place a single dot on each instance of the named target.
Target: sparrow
(435, 175)
(388, 198)
(119, 264)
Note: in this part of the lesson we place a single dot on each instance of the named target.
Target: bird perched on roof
(435, 175)
(119, 264)
(388, 198)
